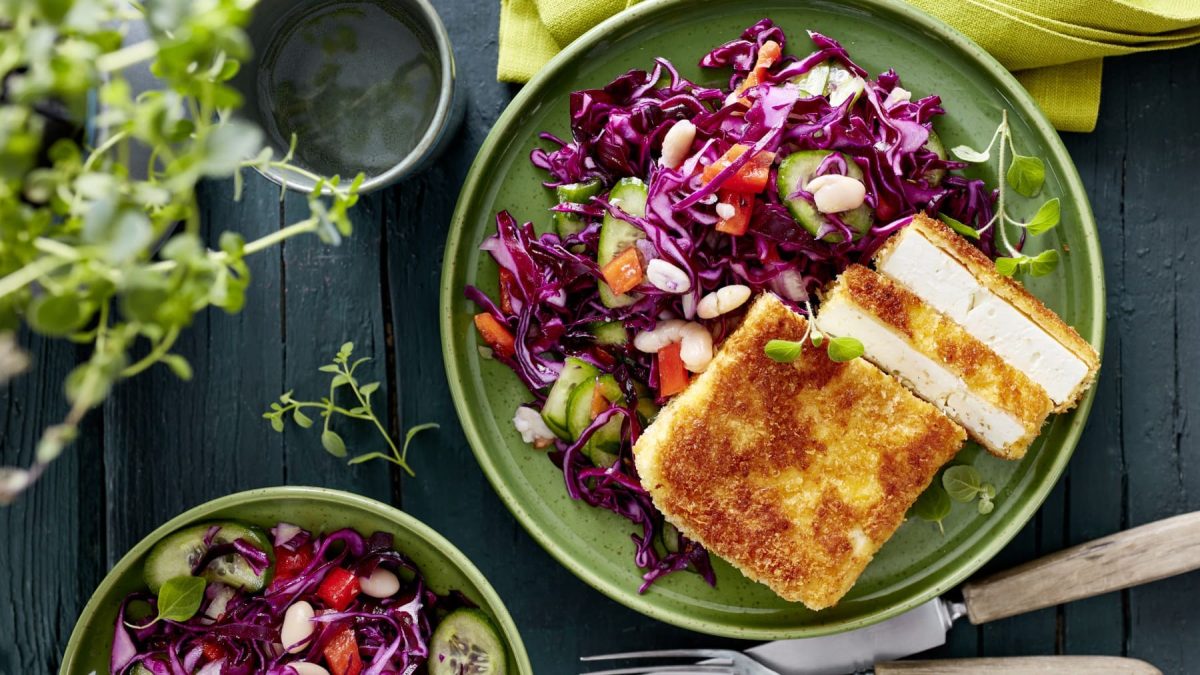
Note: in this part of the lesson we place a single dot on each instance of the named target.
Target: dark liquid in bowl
(356, 83)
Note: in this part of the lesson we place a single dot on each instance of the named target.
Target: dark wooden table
(160, 446)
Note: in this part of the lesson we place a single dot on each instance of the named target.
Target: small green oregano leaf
(333, 443)
(783, 351)
(412, 433)
(1046, 218)
(842, 349)
(968, 154)
(1044, 263)
(933, 505)
(1007, 266)
(962, 483)
(959, 227)
(1026, 175)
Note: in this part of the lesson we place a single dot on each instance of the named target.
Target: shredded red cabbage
(616, 132)
(238, 633)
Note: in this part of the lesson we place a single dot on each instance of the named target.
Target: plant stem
(267, 241)
(127, 56)
(155, 354)
(383, 432)
(29, 274)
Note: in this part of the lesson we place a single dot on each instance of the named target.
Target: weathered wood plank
(1158, 311)
(53, 536)
(332, 295)
(170, 445)
(1095, 477)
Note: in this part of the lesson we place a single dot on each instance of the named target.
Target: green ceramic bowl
(919, 562)
(316, 509)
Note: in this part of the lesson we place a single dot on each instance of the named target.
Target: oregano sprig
(179, 599)
(839, 349)
(344, 377)
(99, 252)
(1026, 175)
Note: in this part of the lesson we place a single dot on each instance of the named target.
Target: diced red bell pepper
(213, 651)
(672, 375)
(743, 206)
(768, 54)
(507, 282)
(751, 178)
(338, 589)
(341, 654)
(495, 334)
(290, 563)
(624, 272)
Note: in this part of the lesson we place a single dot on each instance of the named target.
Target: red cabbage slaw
(238, 633)
(616, 131)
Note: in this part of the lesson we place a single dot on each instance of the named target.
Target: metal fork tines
(717, 661)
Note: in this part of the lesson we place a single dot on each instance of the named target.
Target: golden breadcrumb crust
(794, 473)
(945, 342)
(1009, 290)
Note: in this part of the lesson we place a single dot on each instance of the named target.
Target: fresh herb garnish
(964, 484)
(933, 505)
(179, 599)
(343, 372)
(839, 349)
(1025, 175)
(101, 253)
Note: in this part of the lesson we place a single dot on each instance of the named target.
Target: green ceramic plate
(919, 562)
(316, 509)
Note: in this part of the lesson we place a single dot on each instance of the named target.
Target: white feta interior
(947, 286)
(921, 374)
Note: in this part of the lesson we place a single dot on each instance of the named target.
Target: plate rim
(1019, 100)
(406, 521)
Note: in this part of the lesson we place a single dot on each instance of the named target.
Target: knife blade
(1140, 555)
(914, 631)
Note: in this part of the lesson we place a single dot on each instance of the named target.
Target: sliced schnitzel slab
(796, 473)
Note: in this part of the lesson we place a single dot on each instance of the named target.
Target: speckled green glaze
(919, 562)
(316, 509)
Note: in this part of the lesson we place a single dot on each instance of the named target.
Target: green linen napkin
(1054, 47)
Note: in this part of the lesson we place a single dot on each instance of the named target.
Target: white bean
(722, 301)
(677, 143)
(382, 583)
(297, 627)
(835, 193)
(667, 277)
(696, 347)
(306, 668)
(666, 332)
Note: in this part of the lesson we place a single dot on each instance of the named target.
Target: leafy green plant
(1025, 175)
(99, 252)
(959, 482)
(343, 371)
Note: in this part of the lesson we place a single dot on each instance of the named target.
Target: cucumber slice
(579, 193)
(814, 82)
(794, 173)
(177, 554)
(616, 235)
(610, 333)
(579, 410)
(554, 412)
(647, 409)
(604, 447)
(935, 145)
(466, 641)
(567, 224)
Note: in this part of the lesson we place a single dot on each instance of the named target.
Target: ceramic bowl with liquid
(362, 85)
